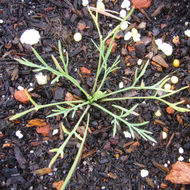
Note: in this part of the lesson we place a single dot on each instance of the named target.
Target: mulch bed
(107, 162)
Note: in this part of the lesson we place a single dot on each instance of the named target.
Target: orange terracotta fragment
(58, 184)
(21, 96)
(84, 70)
(180, 173)
(141, 4)
(44, 130)
(69, 97)
(176, 40)
(170, 110)
(36, 122)
(114, 45)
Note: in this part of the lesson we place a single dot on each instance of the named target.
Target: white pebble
(181, 158)
(164, 135)
(85, 3)
(127, 134)
(1, 21)
(123, 13)
(20, 88)
(167, 86)
(19, 134)
(31, 152)
(166, 165)
(168, 161)
(188, 106)
(181, 151)
(127, 36)
(121, 85)
(55, 131)
(126, 4)
(41, 79)
(124, 25)
(136, 36)
(167, 49)
(100, 5)
(139, 62)
(158, 113)
(144, 173)
(77, 37)
(174, 79)
(30, 89)
(30, 36)
(187, 32)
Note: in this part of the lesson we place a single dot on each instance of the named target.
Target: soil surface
(107, 163)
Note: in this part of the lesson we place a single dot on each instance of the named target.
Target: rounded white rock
(30, 37)
(77, 37)
(85, 3)
(41, 79)
(174, 79)
(127, 134)
(127, 36)
(181, 151)
(123, 13)
(124, 25)
(187, 32)
(144, 173)
(19, 134)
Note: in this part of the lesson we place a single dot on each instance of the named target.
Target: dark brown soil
(110, 164)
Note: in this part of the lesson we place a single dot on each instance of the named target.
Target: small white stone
(20, 88)
(1, 21)
(181, 158)
(31, 152)
(139, 62)
(121, 84)
(31, 84)
(41, 79)
(158, 113)
(100, 5)
(144, 173)
(167, 86)
(19, 134)
(123, 13)
(124, 25)
(166, 165)
(167, 49)
(84, 163)
(55, 131)
(127, 134)
(188, 106)
(158, 42)
(85, 3)
(174, 79)
(187, 32)
(126, 4)
(136, 36)
(127, 35)
(186, 23)
(181, 151)
(164, 135)
(30, 36)
(168, 161)
(77, 37)
(30, 89)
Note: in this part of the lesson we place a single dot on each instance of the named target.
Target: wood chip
(42, 171)
(58, 184)
(150, 182)
(161, 167)
(160, 60)
(36, 122)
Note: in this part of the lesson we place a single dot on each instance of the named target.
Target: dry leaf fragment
(21, 96)
(69, 97)
(36, 122)
(44, 130)
(141, 4)
(58, 184)
(114, 45)
(159, 59)
(42, 171)
(180, 173)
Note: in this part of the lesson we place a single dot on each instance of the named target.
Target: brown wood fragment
(161, 167)
(157, 11)
(91, 152)
(170, 140)
(160, 60)
(150, 183)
